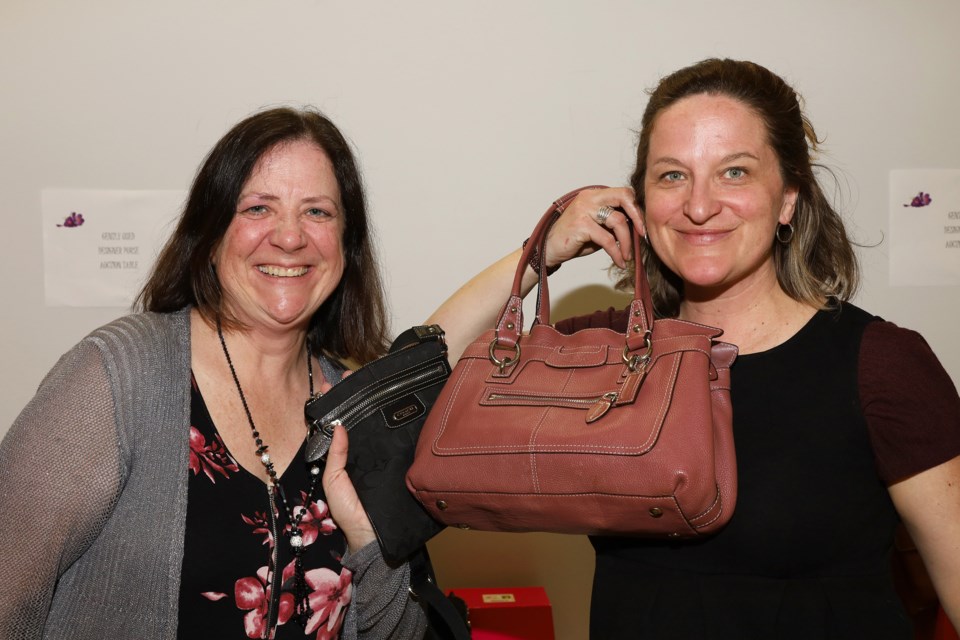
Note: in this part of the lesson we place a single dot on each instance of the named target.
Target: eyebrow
(729, 158)
(737, 156)
(272, 198)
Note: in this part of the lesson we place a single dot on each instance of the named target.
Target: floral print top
(226, 579)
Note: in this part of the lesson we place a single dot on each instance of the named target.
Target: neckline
(790, 342)
(299, 455)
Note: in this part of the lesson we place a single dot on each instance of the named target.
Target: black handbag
(383, 406)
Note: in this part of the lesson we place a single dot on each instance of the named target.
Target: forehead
(295, 160)
(708, 120)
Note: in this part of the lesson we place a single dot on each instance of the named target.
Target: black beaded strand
(295, 536)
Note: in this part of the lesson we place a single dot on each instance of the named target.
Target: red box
(508, 613)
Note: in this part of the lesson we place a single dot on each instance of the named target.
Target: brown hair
(351, 323)
(819, 265)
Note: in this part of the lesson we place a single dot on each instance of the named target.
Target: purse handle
(510, 324)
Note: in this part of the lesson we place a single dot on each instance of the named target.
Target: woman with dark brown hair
(844, 424)
(154, 487)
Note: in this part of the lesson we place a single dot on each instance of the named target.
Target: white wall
(469, 119)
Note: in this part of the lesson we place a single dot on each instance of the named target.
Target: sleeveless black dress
(806, 554)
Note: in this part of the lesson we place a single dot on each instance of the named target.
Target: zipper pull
(601, 406)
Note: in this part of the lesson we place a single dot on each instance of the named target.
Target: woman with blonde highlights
(844, 424)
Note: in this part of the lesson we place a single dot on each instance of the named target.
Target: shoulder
(147, 328)
(146, 336)
(143, 353)
(897, 361)
(893, 351)
(910, 402)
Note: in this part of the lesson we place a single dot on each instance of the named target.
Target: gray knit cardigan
(93, 498)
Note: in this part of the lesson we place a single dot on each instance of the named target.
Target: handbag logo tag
(403, 411)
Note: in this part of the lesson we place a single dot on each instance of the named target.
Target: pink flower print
(253, 596)
(209, 458)
(316, 521)
(328, 601)
(260, 525)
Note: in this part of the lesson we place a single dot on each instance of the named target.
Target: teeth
(281, 272)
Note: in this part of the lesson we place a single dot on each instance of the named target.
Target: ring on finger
(602, 214)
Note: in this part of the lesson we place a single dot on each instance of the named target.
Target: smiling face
(282, 255)
(714, 195)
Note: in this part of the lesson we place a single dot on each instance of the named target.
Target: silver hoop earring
(784, 238)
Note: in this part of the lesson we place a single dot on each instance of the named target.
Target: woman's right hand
(345, 506)
(579, 231)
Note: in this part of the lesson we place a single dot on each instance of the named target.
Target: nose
(288, 232)
(702, 204)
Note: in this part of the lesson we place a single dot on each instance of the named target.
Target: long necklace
(295, 535)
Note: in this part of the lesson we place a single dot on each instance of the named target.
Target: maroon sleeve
(615, 319)
(910, 403)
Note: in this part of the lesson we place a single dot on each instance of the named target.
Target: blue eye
(317, 213)
(256, 209)
(672, 176)
(736, 172)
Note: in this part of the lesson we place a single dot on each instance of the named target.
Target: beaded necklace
(294, 536)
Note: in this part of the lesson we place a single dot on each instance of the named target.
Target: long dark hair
(352, 322)
(819, 264)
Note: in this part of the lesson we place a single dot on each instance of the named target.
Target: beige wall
(469, 118)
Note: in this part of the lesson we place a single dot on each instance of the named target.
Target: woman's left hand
(342, 498)
(581, 229)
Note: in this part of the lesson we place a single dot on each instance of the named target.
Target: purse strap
(445, 623)
(510, 323)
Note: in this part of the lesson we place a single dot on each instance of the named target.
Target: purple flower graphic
(920, 200)
(73, 220)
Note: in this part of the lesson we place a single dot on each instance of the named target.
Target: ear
(213, 253)
(789, 206)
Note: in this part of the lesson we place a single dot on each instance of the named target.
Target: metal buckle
(506, 362)
(636, 360)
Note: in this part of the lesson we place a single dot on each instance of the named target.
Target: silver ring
(602, 214)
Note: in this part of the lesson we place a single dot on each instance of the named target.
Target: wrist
(535, 260)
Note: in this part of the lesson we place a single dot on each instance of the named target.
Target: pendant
(296, 542)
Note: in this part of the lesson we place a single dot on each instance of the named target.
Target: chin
(707, 276)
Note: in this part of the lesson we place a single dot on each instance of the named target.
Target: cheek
(329, 241)
(656, 213)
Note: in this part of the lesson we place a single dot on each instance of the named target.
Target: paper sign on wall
(99, 245)
(925, 227)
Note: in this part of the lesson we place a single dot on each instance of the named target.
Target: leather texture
(383, 406)
(596, 433)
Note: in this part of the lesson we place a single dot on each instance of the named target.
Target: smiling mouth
(282, 272)
(705, 236)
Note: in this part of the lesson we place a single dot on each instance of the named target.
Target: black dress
(806, 553)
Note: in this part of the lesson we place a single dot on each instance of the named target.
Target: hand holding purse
(383, 406)
(598, 432)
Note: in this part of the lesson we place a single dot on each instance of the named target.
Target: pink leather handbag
(598, 432)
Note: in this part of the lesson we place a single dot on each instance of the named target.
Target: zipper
(273, 606)
(597, 405)
(350, 413)
(374, 399)
(560, 401)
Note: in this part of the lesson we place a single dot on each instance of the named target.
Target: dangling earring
(784, 238)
